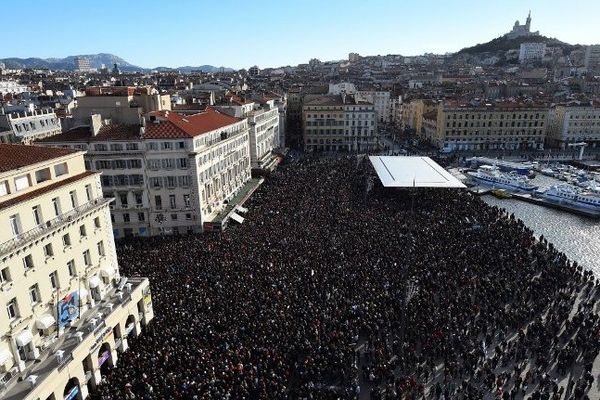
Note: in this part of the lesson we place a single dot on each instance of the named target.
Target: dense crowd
(337, 288)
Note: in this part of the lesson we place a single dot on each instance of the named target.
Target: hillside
(96, 61)
(502, 44)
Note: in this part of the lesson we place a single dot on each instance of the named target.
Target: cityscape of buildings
(91, 156)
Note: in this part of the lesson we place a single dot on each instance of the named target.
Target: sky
(239, 34)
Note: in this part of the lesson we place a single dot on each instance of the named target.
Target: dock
(545, 203)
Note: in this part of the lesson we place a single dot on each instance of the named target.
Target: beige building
(339, 123)
(413, 111)
(510, 126)
(574, 124)
(170, 175)
(67, 311)
(120, 104)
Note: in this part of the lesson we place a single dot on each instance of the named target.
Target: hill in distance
(503, 43)
(96, 61)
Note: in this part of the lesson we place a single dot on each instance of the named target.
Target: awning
(94, 282)
(241, 209)
(45, 321)
(106, 272)
(24, 337)
(5, 355)
(237, 217)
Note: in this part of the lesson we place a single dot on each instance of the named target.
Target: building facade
(507, 126)
(339, 123)
(574, 124)
(28, 126)
(171, 174)
(68, 311)
(531, 52)
(82, 64)
(592, 57)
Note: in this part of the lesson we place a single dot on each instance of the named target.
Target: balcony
(49, 226)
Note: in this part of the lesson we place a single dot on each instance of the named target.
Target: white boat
(572, 197)
(489, 175)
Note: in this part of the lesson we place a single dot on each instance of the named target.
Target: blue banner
(68, 309)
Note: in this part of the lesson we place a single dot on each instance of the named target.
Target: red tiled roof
(187, 126)
(38, 192)
(106, 132)
(13, 156)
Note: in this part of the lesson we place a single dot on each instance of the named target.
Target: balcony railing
(40, 230)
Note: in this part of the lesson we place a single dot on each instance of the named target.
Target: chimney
(95, 123)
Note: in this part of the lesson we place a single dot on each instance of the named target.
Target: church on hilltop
(519, 30)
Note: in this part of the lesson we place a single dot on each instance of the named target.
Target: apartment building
(529, 52)
(29, 125)
(412, 113)
(120, 104)
(574, 124)
(510, 126)
(263, 122)
(169, 175)
(67, 310)
(339, 123)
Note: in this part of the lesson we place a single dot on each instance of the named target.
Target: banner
(68, 309)
(72, 393)
(103, 357)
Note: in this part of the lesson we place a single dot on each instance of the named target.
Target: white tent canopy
(94, 282)
(404, 171)
(237, 217)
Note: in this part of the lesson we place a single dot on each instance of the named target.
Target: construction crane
(581, 147)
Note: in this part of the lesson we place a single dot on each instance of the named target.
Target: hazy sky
(239, 34)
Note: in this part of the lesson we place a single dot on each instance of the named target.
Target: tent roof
(402, 171)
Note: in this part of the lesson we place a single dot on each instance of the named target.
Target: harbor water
(576, 236)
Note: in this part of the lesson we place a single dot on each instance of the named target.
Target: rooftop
(15, 156)
(106, 132)
(174, 125)
(412, 172)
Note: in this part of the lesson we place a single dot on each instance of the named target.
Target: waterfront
(576, 236)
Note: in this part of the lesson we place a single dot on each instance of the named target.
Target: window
(61, 169)
(172, 201)
(188, 216)
(174, 217)
(88, 192)
(34, 294)
(155, 182)
(15, 225)
(56, 205)
(97, 222)
(153, 164)
(134, 164)
(167, 145)
(73, 196)
(182, 163)
(37, 215)
(184, 181)
(4, 275)
(152, 146)
(126, 217)
(101, 248)
(22, 182)
(116, 147)
(186, 200)
(82, 231)
(119, 164)
(54, 279)
(42, 175)
(171, 181)
(87, 259)
(12, 309)
(158, 202)
(66, 239)
(28, 262)
(141, 217)
(48, 251)
(71, 268)
(131, 146)
(3, 188)
(123, 199)
(138, 198)
(168, 163)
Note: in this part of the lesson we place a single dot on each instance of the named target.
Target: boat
(489, 175)
(501, 194)
(574, 198)
(522, 168)
(548, 172)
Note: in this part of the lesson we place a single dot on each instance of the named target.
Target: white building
(67, 311)
(13, 87)
(529, 52)
(574, 124)
(170, 176)
(82, 64)
(25, 127)
(592, 56)
(380, 99)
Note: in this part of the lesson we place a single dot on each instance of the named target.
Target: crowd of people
(337, 288)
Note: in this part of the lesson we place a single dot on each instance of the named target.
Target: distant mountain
(503, 43)
(96, 61)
